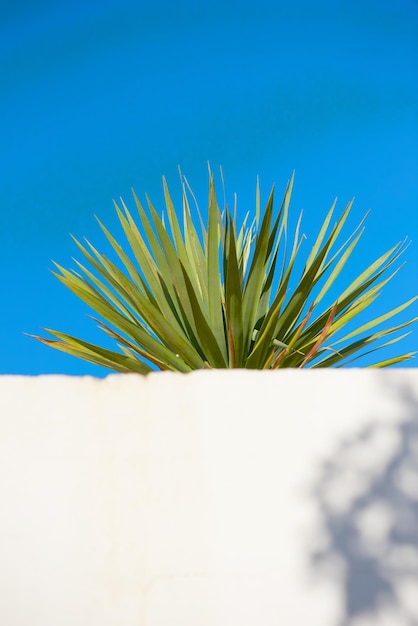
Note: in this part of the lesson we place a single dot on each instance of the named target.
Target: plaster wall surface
(215, 498)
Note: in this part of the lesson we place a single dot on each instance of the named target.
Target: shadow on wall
(368, 501)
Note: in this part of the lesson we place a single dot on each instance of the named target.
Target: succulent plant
(218, 295)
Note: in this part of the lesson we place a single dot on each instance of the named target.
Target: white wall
(217, 498)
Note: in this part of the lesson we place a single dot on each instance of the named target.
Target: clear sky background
(97, 97)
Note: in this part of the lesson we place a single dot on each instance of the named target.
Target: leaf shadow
(368, 503)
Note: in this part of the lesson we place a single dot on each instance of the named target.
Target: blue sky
(98, 97)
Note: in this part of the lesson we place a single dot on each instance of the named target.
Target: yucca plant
(218, 296)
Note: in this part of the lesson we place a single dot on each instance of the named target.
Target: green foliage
(181, 298)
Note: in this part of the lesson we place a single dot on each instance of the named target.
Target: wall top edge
(407, 372)
(213, 390)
